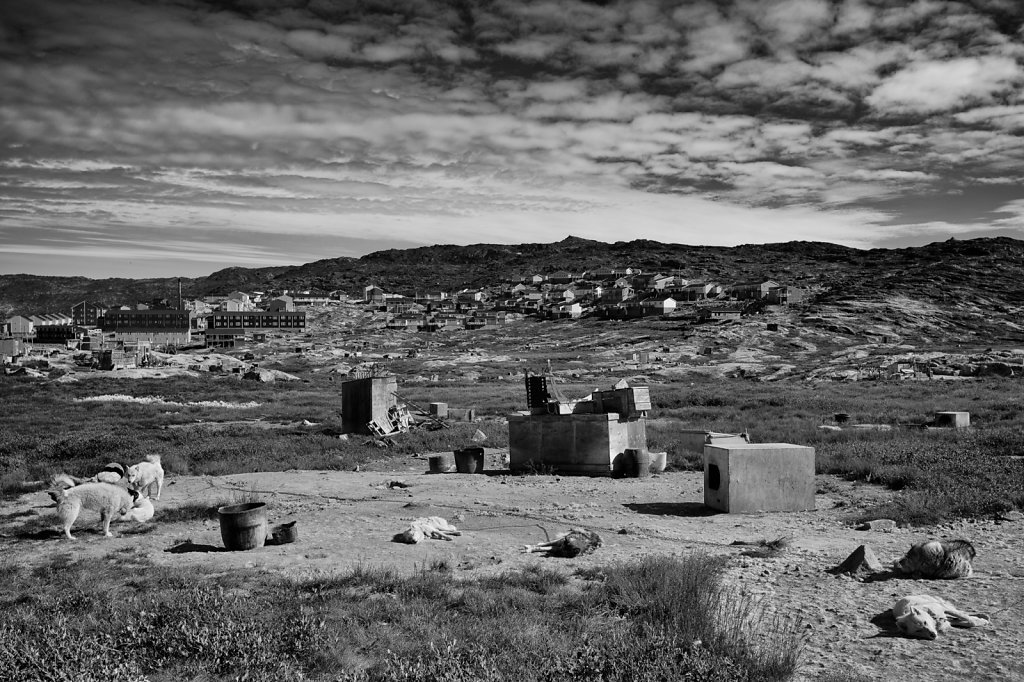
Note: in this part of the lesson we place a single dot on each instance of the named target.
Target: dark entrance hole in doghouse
(714, 477)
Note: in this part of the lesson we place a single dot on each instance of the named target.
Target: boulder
(861, 562)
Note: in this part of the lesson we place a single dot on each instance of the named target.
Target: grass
(940, 474)
(657, 618)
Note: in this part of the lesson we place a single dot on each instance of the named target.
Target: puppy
(109, 500)
(941, 559)
(144, 475)
(141, 510)
(112, 473)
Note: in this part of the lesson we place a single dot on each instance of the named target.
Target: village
(119, 336)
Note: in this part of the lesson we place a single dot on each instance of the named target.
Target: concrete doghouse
(953, 420)
(744, 478)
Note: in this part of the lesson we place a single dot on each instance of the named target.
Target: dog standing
(941, 559)
(144, 475)
(109, 500)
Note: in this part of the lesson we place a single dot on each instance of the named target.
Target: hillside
(948, 291)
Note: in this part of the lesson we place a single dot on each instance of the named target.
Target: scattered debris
(881, 525)
(765, 548)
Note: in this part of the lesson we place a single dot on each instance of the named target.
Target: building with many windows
(224, 329)
(154, 327)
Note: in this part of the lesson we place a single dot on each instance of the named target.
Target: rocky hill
(952, 290)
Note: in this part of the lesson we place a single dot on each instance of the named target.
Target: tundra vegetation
(655, 618)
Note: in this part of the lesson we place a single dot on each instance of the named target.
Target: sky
(160, 138)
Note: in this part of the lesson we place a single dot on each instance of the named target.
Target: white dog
(924, 616)
(144, 475)
(427, 527)
(109, 500)
(141, 510)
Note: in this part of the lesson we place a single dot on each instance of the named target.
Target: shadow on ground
(672, 508)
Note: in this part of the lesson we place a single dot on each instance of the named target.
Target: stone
(861, 561)
(881, 525)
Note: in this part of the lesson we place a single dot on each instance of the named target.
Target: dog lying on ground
(109, 500)
(941, 559)
(112, 473)
(144, 475)
(924, 616)
(141, 510)
(577, 541)
(427, 527)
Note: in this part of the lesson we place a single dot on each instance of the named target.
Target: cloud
(268, 117)
(931, 87)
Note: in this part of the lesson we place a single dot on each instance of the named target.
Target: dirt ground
(348, 518)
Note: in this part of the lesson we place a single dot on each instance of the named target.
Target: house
(18, 327)
(406, 321)
(658, 281)
(10, 349)
(536, 279)
(625, 310)
(374, 295)
(243, 299)
(50, 320)
(281, 304)
(87, 314)
(697, 291)
(567, 310)
(307, 299)
(560, 295)
(718, 313)
(616, 294)
(784, 295)
(658, 305)
(587, 292)
(563, 277)
(56, 334)
(753, 289)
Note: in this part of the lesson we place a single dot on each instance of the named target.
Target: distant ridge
(987, 271)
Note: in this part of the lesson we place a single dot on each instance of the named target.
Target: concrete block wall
(365, 400)
(573, 443)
